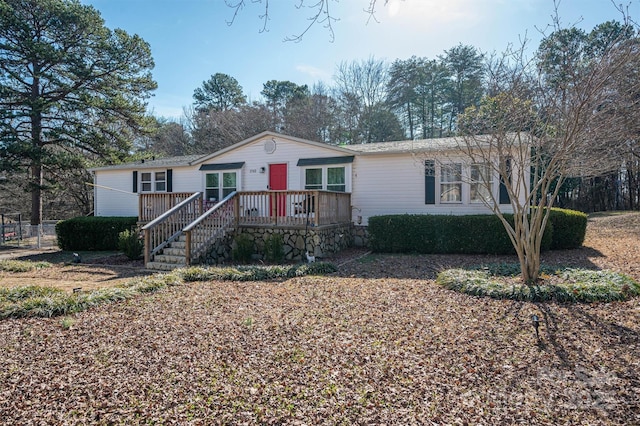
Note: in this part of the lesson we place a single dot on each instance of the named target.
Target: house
(319, 196)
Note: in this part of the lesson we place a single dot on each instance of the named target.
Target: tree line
(72, 96)
(418, 98)
(369, 100)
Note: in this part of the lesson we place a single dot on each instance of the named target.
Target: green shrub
(242, 248)
(470, 234)
(130, 243)
(569, 228)
(274, 248)
(92, 233)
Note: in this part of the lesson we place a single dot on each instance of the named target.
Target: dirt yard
(377, 343)
(612, 242)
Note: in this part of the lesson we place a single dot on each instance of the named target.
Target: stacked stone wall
(297, 242)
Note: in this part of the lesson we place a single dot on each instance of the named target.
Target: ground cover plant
(38, 301)
(11, 265)
(377, 342)
(559, 285)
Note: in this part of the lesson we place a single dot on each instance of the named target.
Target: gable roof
(274, 136)
(393, 147)
(182, 160)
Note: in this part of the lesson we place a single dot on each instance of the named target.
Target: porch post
(274, 208)
(187, 248)
(147, 246)
(316, 208)
(236, 209)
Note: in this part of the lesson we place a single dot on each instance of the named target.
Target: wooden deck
(269, 208)
(172, 216)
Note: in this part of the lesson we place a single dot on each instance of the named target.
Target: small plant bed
(564, 285)
(254, 272)
(22, 265)
(40, 301)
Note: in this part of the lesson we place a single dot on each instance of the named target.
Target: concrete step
(178, 244)
(165, 258)
(159, 266)
(173, 251)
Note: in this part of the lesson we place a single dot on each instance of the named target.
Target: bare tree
(538, 131)
(321, 12)
(361, 87)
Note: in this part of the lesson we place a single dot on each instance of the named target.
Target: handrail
(164, 216)
(208, 212)
(161, 231)
(207, 230)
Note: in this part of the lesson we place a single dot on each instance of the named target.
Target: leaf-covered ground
(377, 343)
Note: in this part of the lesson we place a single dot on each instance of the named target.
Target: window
(313, 179)
(145, 182)
(429, 182)
(336, 179)
(212, 187)
(228, 183)
(451, 183)
(220, 183)
(161, 181)
(327, 178)
(481, 185)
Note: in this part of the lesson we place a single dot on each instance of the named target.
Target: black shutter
(169, 180)
(504, 194)
(429, 182)
(135, 181)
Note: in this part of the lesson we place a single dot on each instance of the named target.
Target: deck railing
(212, 224)
(283, 208)
(168, 226)
(152, 205)
(202, 223)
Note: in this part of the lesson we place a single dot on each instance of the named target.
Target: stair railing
(168, 226)
(213, 224)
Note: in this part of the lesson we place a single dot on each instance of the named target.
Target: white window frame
(160, 182)
(451, 183)
(481, 186)
(325, 177)
(154, 183)
(316, 186)
(146, 185)
(222, 190)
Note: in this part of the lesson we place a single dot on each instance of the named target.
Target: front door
(278, 182)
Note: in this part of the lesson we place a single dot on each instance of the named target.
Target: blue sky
(191, 40)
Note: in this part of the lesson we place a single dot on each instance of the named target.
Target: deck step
(174, 251)
(160, 266)
(167, 258)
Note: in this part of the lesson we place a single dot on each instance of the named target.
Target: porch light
(262, 169)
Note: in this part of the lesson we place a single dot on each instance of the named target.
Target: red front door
(278, 182)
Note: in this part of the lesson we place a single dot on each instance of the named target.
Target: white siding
(255, 157)
(113, 196)
(395, 184)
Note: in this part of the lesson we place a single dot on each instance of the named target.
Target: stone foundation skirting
(317, 241)
(360, 236)
(297, 241)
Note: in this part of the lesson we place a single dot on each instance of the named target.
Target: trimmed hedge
(92, 233)
(569, 228)
(427, 234)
